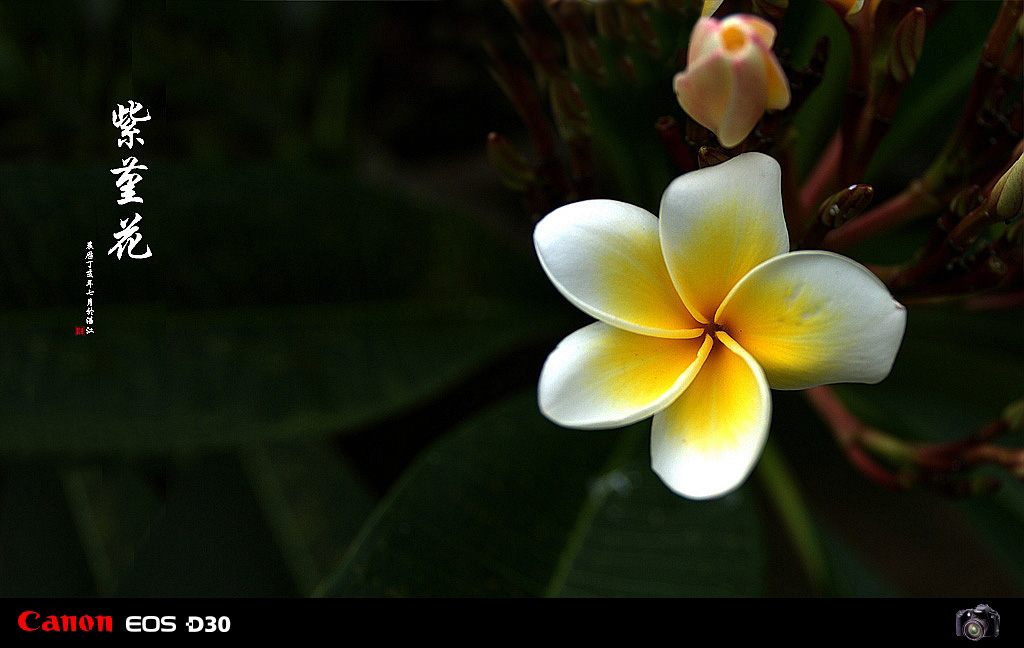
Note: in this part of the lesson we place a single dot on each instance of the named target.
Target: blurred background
(323, 381)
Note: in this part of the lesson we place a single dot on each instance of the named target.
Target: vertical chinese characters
(89, 292)
(128, 179)
(126, 120)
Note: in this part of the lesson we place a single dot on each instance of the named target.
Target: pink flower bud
(731, 76)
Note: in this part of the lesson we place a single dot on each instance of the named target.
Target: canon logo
(29, 621)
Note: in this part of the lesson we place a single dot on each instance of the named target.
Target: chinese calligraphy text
(126, 119)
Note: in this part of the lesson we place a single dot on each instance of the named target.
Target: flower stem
(822, 177)
(855, 102)
(848, 431)
(942, 466)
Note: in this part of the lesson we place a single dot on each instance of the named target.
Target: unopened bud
(732, 76)
(710, 156)
(512, 169)
(907, 43)
(1007, 197)
(845, 205)
(569, 110)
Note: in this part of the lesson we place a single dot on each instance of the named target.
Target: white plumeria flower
(701, 311)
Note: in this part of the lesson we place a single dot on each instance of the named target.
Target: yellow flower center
(733, 38)
(711, 328)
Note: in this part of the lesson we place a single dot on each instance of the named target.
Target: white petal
(812, 318)
(601, 376)
(707, 441)
(605, 257)
(717, 224)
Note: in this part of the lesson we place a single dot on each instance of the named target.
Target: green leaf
(639, 539)
(379, 305)
(512, 505)
(113, 506)
(150, 382)
(247, 235)
(210, 541)
(278, 518)
(42, 556)
(313, 503)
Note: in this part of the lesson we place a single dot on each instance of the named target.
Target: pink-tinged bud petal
(731, 76)
(703, 39)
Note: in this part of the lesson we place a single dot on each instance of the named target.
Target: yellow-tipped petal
(710, 7)
(601, 376)
(707, 442)
(717, 224)
(777, 89)
(605, 257)
(812, 318)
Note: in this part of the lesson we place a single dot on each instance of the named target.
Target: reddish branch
(939, 464)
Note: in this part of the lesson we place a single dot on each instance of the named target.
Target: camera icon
(981, 621)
